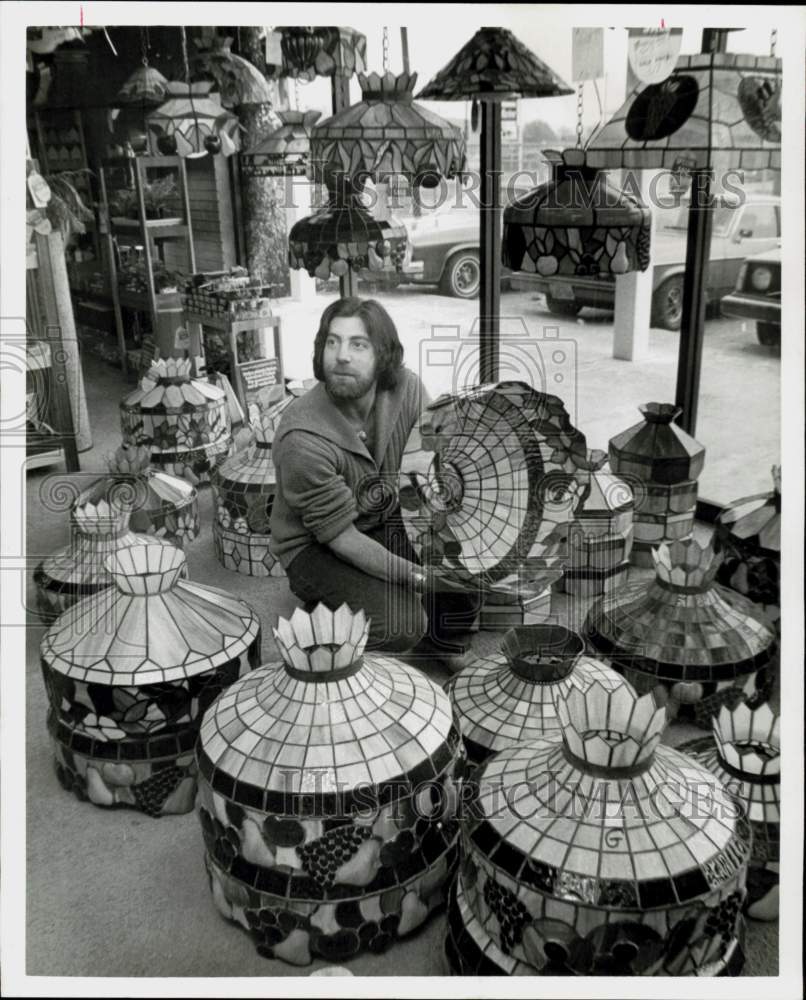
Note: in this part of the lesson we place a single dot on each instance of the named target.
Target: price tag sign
(652, 53)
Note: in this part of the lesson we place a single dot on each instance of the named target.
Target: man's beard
(348, 388)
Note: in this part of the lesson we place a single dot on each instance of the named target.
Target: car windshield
(678, 219)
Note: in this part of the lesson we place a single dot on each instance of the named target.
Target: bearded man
(336, 525)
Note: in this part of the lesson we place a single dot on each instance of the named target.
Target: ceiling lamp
(321, 51)
(285, 151)
(385, 135)
(146, 85)
(192, 122)
(578, 223)
(343, 236)
(718, 110)
(236, 79)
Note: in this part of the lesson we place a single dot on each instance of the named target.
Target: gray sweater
(326, 477)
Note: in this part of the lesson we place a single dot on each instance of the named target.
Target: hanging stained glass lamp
(308, 52)
(192, 122)
(386, 135)
(720, 110)
(578, 223)
(146, 85)
(286, 151)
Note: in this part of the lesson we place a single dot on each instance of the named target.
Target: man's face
(348, 359)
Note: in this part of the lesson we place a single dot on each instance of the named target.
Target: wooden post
(490, 241)
(67, 380)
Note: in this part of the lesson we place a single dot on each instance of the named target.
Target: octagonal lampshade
(721, 110)
(578, 223)
(285, 151)
(494, 66)
(192, 122)
(387, 134)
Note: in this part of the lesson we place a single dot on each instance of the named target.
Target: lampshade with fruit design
(327, 795)
(641, 882)
(129, 673)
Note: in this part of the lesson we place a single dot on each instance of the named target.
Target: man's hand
(356, 548)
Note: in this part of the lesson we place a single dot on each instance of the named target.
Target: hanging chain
(385, 49)
(773, 40)
(185, 55)
(144, 45)
(296, 93)
(580, 89)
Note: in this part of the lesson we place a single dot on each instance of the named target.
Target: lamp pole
(698, 252)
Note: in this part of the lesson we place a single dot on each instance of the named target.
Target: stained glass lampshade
(637, 890)
(327, 794)
(578, 223)
(341, 236)
(166, 507)
(183, 421)
(748, 533)
(601, 536)
(192, 122)
(146, 85)
(243, 492)
(285, 151)
(719, 110)
(99, 527)
(308, 52)
(696, 640)
(486, 481)
(494, 65)
(745, 754)
(656, 449)
(237, 80)
(129, 673)
(385, 135)
(511, 697)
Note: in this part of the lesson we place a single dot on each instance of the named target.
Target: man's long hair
(381, 331)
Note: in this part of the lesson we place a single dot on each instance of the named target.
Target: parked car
(757, 296)
(739, 231)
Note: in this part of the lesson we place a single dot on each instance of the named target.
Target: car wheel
(562, 307)
(462, 275)
(769, 334)
(667, 304)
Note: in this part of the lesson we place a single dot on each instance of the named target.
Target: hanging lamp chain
(580, 90)
(385, 49)
(144, 45)
(773, 40)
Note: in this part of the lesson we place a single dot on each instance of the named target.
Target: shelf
(140, 300)
(161, 229)
(232, 324)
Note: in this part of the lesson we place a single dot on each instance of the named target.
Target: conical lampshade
(721, 110)
(696, 640)
(385, 135)
(494, 65)
(146, 85)
(236, 79)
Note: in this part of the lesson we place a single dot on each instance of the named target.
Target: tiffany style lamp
(286, 151)
(184, 421)
(99, 527)
(640, 883)
(748, 533)
(745, 754)
(243, 491)
(192, 122)
(486, 482)
(494, 66)
(129, 673)
(601, 535)
(327, 796)
(511, 697)
(695, 640)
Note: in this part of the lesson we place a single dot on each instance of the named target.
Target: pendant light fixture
(285, 152)
(192, 122)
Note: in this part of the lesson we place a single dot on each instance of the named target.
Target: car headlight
(761, 278)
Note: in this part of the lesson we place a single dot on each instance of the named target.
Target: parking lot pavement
(739, 410)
